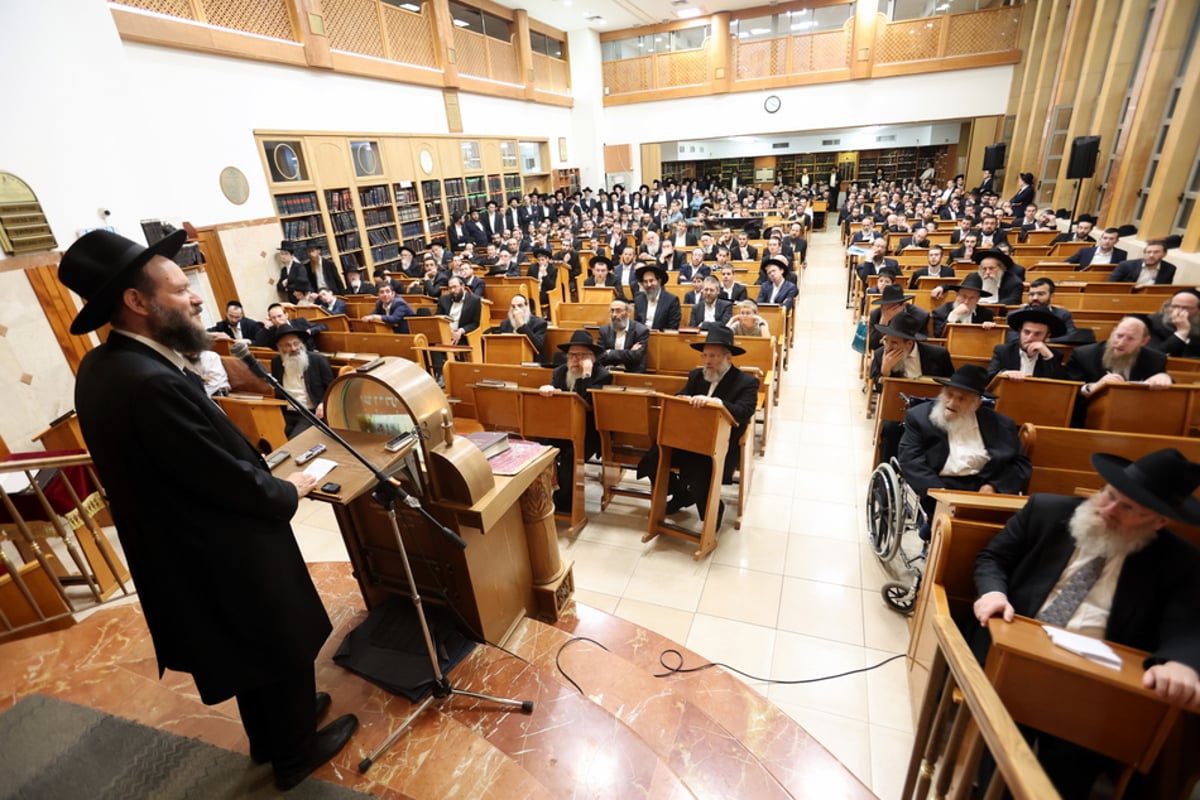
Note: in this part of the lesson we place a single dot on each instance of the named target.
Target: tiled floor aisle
(794, 593)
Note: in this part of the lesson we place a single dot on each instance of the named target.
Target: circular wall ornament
(234, 185)
(772, 103)
(286, 161)
(426, 159)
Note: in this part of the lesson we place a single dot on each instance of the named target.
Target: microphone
(241, 351)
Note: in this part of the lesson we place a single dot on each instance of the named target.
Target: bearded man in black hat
(955, 442)
(1029, 355)
(904, 353)
(581, 373)
(304, 375)
(717, 382)
(654, 306)
(203, 523)
(964, 309)
(1106, 567)
(893, 301)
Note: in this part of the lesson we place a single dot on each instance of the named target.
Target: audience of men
(654, 306)
(277, 317)
(303, 374)
(904, 353)
(891, 302)
(1029, 355)
(1107, 567)
(623, 340)
(956, 442)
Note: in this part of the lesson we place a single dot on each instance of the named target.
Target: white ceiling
(573, 15)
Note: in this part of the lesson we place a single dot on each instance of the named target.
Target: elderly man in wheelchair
(954, 441)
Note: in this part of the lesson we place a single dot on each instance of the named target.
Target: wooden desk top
(352, 475)
(503, 496)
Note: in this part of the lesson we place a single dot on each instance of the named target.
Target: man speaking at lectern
(204, 525)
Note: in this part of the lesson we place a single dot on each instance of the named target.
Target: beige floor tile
(772, 479)
(670, 622)
(849, 740)
(890, 751)
(816, 484)
(597, 600)
(817, 558)
(615, 530)
(666, 574)
(800, 657)
(739, 644)
(742, 595)
(831, 520)
(883, 628)
(768, 513)
(824, 610)
(602, 567)
(318, 544)
(752, 548)
(888, 702)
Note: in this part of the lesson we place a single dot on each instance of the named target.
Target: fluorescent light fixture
(688, 13)
(942, 7)
(410, 6)
(460, 23)
(743, 34)
(759, 31)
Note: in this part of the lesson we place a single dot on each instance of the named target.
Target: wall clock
(772, 103)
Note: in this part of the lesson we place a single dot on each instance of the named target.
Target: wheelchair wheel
(899, 596)
(885, 514)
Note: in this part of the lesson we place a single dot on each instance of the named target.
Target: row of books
(303, 228)
(352, 260)
(374, 196)
(344, 221)
(377, 216)
(405, 194)
(381, 235)
(349, 241)
(389, 252)
(339, 200)
(406, 213)
(290, 204)
(455, 186)
(410, 229)
(431, 190)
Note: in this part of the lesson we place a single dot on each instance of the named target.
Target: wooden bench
(1040, 401)
(401, 345)
(461, 376)
(973, 344)
(1137, 407)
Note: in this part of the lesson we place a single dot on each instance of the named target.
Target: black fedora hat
(972, 281)
(538, 252)
(286, 329)
(1162, 481)
(96, 268)
(1000, 256)
(286, 247)
(655, 268)
(719, 335)
(892, 295)
(581, 338)
(779, 262)
(599, 259)
(969, 378)
(904, 326)
(1041, 315)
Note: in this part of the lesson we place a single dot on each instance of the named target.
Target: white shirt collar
(170, 355)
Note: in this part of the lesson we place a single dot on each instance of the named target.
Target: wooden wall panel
(59, 307)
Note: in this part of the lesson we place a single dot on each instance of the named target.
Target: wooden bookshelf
(567, 180)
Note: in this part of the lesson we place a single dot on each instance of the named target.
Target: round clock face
(234, 185)
(772, 104)
(426, 158)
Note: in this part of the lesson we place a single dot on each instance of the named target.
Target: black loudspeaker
(1084, 151)
(993, 156)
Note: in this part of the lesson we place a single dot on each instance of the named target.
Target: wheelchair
(894, 511)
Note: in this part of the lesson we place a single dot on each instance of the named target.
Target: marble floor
(792, 595)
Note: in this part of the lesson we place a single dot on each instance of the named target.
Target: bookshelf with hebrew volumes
(360, 199)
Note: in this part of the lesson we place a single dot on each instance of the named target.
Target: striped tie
(1064, 606)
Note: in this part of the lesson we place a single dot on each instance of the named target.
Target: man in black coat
(186, 491)
(904, 353)
(521, 320)
(1029, 355)
(277, 316)
(891, 302)
(302, 374)
(355, 284)
(1150, 268)
(623, 341)
(323, 272)
(737, 391)
(236, 324)
(667, 314)
(955, 442)
(1106, 252)
(1175, 330)
(965, 308)
(1143, 592)
(1124, 357)
(710, 309)
(581, 373)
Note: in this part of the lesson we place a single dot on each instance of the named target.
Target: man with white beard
(955, 442)
(1105, 567)
(304, 375)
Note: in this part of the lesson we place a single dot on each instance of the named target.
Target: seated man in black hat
(304, 375)
(623, 340)
(718, 381)
(654, 306)
(964, 309)
(904, 353)
(355, 283)
(1029, 355)
(891, 302)
(777, 289)
(955, 442)
(583, 371)
(1105, 566)
(545, 273)
(277, 316)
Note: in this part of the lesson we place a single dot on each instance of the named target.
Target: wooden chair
(1040, 401)
(259, 419)
(1137, 407)
(580, 315)
(973, 344)
(508, 348)
(627, 420)
(462, 376)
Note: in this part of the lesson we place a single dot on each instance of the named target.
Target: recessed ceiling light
(687, 13)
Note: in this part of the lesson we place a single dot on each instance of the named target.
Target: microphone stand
(387, 492)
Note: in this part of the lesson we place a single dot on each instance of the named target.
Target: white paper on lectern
(319, 468)
(1090, 648)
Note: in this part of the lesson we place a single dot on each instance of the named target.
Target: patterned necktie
(1064, 606)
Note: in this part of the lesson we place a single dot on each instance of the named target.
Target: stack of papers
(1092, 649)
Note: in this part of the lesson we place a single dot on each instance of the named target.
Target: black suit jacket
(1164, 340)
(734, 295)
(317, 377)
(935, 362)
(1007, 357)
(1086, 364)
(875, 338)
(468, 318)
(250, 328)
(738, 391)
(168, 456)
(1156, 602)
(723, 312)
(942, 313)
(924, 450)
(534, 328)
(333, 277)
(668, 315)
(629, 358)
(1128, 271)
(1084, 255)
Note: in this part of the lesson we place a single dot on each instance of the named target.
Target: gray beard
(295, 364)
(652, 295)
(1118, 363)
(1093, 537)
(990, 286)
(1165, 318)
(949, 426)
(572, 377)
(619, 325)
(715, 375)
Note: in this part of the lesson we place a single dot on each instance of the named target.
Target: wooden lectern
(511, 566)
(63, 434)
(1137, 407)
(704, 431)
(508, 348)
